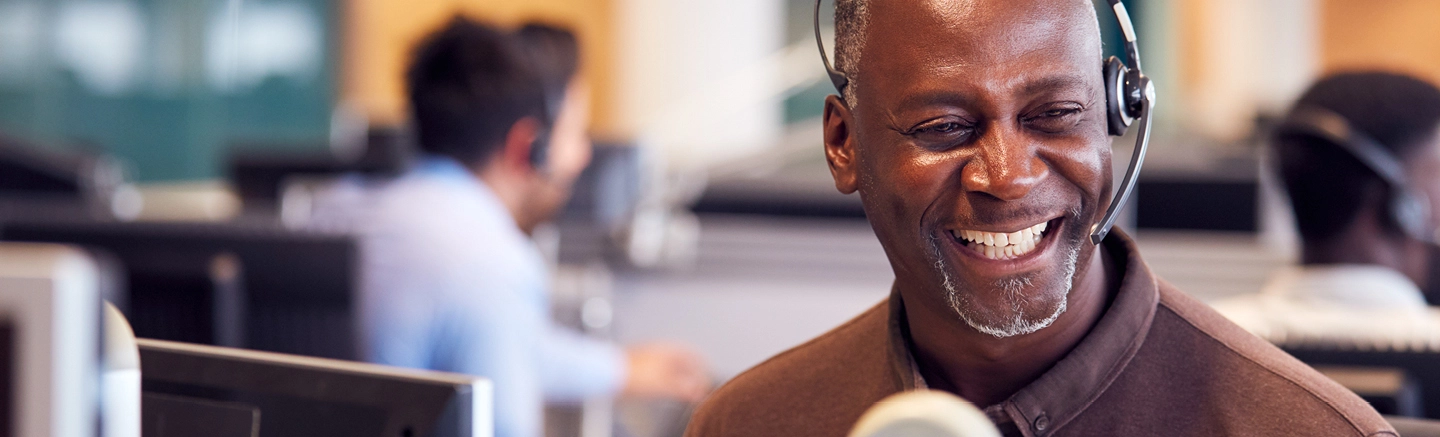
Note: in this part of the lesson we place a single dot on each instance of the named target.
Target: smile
(1002, 245)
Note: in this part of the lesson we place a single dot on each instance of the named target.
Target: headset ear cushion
(1114, 103)
(540, 149)
(1411, 214)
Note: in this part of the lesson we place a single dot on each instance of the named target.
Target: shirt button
(1042, 422)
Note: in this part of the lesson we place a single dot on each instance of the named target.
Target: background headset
(540, 147)
(1129, 95)
(539, 50)
(1408, 209)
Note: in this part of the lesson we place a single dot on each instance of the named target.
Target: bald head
(853, 21)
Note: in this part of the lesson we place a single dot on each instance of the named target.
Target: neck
(510, 189)
(987, 370)
(1367, 242)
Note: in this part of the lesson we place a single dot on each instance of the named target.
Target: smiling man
(975, 133)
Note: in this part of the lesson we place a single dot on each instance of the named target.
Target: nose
(1006, 165)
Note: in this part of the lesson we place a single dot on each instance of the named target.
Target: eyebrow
(1030, 88)
(936, 97)
(1048, 83)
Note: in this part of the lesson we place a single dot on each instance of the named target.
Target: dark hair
(469, 83)
(1327, 186)
(556, 54)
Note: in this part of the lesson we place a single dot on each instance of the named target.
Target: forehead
(1005, 43)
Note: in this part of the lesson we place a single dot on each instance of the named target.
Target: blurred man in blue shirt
(452, 279)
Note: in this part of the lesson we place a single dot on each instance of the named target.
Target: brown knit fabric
(1157, 363)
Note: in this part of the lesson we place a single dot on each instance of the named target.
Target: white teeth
(1002, 245)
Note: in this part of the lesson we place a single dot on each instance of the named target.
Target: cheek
(1086, 165)
(898, 185)
(922, 175)
(569, 157)
(570, 151)
(904, 176)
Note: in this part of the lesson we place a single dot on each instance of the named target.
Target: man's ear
(518, 141)
(840, 144)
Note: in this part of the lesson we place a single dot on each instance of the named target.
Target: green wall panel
(174, 120)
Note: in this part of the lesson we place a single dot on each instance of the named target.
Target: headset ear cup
(1412, 214)
(1118, 120)
(540, 149)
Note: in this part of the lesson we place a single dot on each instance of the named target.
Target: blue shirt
(451, 283)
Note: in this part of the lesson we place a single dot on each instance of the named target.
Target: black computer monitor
(36, 180)
(253, 285)
(1419, 363)
(260, 171)
(196, 390)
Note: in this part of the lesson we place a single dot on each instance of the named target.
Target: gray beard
(1016, 322)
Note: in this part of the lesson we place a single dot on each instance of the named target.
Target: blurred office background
(708, 217)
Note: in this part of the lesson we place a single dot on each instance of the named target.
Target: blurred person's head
(488, 99)
(556, 54)
(963, 121)
(1342, 207)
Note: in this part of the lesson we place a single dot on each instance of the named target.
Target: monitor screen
(304, 396)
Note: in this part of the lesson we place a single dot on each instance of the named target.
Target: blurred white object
(49, 326)
(102, 42)
(186, 201)
(708, 87)
(249, 42)
(924, 413)
(120, 378)
(1361, 306)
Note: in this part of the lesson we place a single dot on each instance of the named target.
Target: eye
(1055, 119)
(940, 133)
(1058, 112)
(943, 128)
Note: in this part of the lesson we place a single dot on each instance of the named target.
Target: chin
(1011, 296)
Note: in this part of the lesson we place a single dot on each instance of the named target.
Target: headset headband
(1333, 128)
(1137, 97)
(1410, 210)
(837, 77)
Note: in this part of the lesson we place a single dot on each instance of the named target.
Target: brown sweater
(1157, 363)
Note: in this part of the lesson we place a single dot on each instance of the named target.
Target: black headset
(1408, 209)
(540, 147)
(551, 103)
(1129, 95)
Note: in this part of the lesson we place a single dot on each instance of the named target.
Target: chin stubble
(1014, 289)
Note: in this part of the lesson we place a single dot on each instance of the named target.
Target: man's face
(569, 153)
(980, 152)
(1423, 172)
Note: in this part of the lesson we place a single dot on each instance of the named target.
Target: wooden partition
(1399, 35)
(381, 33)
